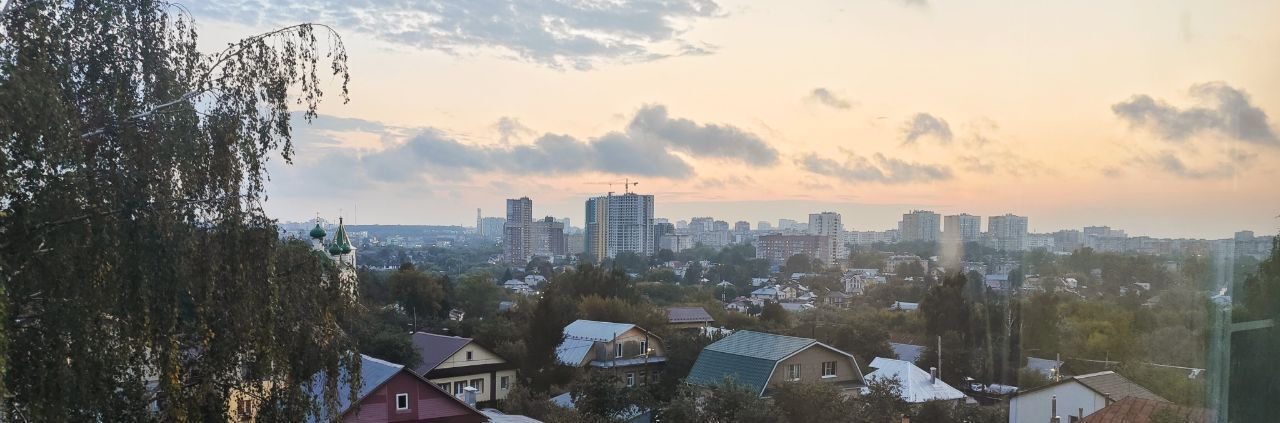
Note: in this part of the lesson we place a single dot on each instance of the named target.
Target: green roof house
(759, 361)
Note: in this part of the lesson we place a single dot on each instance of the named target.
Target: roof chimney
(933, 375)
(469, 396)
(1053, 411)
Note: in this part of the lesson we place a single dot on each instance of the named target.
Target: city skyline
(1160, 115)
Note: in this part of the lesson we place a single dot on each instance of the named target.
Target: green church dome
(317, 232)
(335, 249)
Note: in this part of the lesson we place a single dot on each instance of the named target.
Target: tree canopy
(138, 267)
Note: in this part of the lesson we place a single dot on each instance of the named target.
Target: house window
(468, 355)
(644, 347)
(828, 369)
(631, 379)
(504, 382)
(617, 350)
(444, 386)
(478, 384)
(793, 372)
(457, 387)
(402, 402)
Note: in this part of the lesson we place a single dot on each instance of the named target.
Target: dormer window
(468, 355)
(617, 350)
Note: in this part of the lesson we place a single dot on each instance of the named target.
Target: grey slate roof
(688, 315)
(746, 357)
(1116, 387)
(434, 349)
(1108, 383)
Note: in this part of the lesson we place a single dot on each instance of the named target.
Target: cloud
(558, 34)
(878, 168)
(647, 146)
(510, 129)
(652, 123)
(826, 97)
(924, 124)
(1223, 109)
(1172, 164)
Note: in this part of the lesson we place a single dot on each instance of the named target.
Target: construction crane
(626, 185)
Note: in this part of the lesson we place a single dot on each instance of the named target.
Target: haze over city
(1158, 118)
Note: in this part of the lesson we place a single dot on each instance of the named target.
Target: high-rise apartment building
(778, 248)
(702, 224)
(741, 227)
(920, 225)
(764, 226)
(828, 224)
(517, 233)
(548, 238)
(619, 223)
(1008, 232)
(962, 227)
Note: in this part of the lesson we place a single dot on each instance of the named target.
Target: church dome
(335, 249)
(317, 232)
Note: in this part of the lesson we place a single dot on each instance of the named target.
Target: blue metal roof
(373, 372)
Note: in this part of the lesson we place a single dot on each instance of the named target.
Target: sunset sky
(1157, 117)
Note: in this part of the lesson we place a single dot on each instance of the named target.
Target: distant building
(828, 224)
(702, 224)
(764, 226)
(619, 223)
(716, 239)
(575, 244)
(688, 318)
(778, 248)
(548, 238)
(962, 227)
(1068, 240)
(675, 242)
(517, 234)
(720, 226)
(743, 226)
(920, 225)
(872, 237)
(1007, 232)
(660, 229)
(491, 227)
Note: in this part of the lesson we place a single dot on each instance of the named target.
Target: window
(478, 384)
(793, 372)
(402, 402)
(444, 386)
(457, 387)
(644, 376)
(504, 382)
(617, 350)
(644, 347)
(468, 355)
(631, 379)
(828, 369)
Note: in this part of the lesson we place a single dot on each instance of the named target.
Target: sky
(1156, 117)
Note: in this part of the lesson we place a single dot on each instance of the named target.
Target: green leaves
(138, 268)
